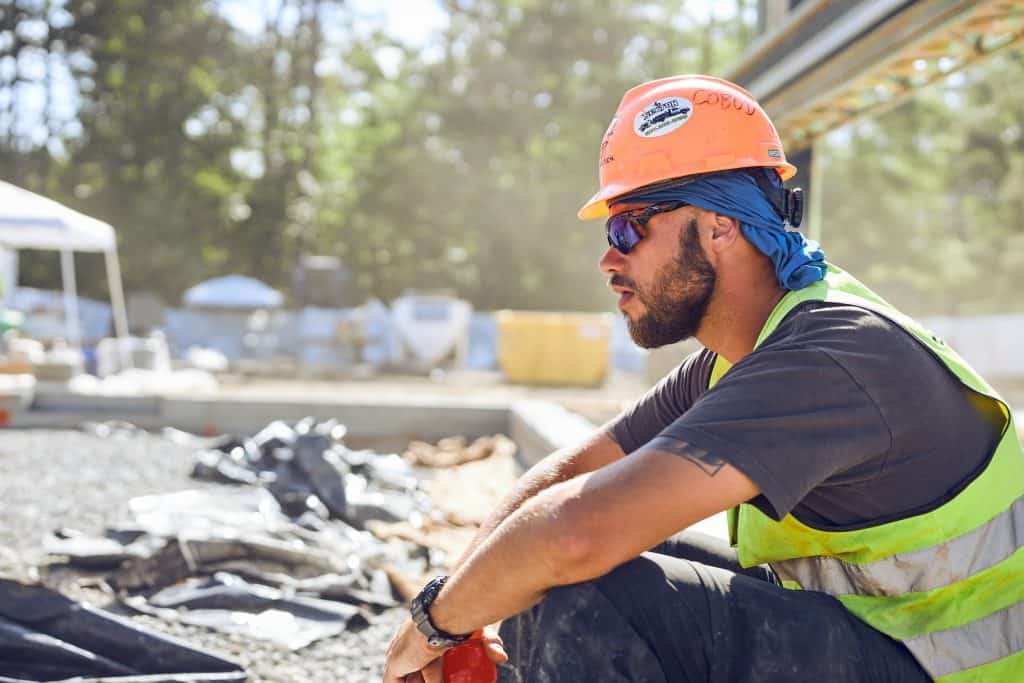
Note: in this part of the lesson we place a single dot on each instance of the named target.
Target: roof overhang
(833, 62)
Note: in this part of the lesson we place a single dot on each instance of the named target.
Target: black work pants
(686, 612)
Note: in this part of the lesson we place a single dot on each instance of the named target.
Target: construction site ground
(74, 478)
(597, 404)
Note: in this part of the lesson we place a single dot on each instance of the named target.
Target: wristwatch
(421, 617)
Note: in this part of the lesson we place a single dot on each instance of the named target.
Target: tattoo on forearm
(710, 463)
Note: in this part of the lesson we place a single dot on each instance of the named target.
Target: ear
(725, 230)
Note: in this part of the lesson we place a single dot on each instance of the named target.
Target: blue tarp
(232, 291)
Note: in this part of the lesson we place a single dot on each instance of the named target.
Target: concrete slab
(538, 427)
(542, 427)
(120, 406)
(415, 418)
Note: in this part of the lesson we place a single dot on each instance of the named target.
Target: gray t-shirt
(840, 417)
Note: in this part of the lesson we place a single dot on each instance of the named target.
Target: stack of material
(44, 636)
(454, 451)
(471, 479)
(465, 486)
(16, 394)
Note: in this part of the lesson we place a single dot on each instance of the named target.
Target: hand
(493, 647)
(411, 658)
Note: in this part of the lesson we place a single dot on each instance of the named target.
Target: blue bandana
(798, 261)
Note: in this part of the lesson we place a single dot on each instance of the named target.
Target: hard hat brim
(597, 206)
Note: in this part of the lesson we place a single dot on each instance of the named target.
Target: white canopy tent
(30, 221)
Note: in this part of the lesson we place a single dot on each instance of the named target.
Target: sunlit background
(251, 251)
(446, 146)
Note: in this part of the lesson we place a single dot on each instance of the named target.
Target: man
(866, 462)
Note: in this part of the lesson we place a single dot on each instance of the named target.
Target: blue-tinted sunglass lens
(621, 233)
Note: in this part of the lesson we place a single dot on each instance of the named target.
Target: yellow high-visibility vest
(948, 583)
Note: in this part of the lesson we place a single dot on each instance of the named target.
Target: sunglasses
(625, 230)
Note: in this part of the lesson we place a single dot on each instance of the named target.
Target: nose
(612, 261)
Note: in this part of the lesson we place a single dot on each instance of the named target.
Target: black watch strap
(420, 610)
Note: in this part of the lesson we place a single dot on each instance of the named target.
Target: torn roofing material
(271, 579)
(313, 475)
(230, 604)
(45, 636)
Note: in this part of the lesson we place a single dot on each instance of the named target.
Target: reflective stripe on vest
(988, 639)
(949, 583)
(918, 571)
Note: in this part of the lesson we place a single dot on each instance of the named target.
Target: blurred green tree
(484, 145)
(150, 149)
(193, 138)
(924, 202)
(455, 164)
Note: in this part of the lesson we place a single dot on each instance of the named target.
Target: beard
(677, 301)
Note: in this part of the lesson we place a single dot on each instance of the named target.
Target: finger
(389, 657)
(392, 672)
(433, 672)
(396, 673)
(492, 637)
(495, 651)
(494, 647)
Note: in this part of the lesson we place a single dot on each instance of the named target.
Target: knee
(563, 608)
(577, 633)
(545, 636)
(646, 573)
(640, 571)
(617, 594)
(572, 594)
(641, 585)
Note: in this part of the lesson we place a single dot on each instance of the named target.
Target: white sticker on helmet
(662, 116)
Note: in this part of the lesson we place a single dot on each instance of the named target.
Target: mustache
(622, 281)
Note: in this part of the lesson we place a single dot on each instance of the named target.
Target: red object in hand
(468, 663)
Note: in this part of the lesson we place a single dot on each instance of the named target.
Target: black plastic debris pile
(281, 557)
(232, 561)
(44, 636)
(313, 475)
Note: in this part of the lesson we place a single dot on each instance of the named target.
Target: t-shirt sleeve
(663, 403)
(788, 418)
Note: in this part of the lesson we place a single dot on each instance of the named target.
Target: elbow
(571, 549)
(570, 558)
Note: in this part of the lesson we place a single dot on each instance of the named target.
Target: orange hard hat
(683, 126)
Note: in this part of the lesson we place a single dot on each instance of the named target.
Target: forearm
(507, 573)
(584, 528)
(511, 568)
(562, 465)
(568, 533)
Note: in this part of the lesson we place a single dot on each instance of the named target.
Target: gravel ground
(62, 478)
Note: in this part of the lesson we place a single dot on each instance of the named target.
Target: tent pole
(116, 294)
(71, 320)
(118, 309)
(9, 263)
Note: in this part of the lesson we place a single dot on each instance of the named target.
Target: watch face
(438, 641)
